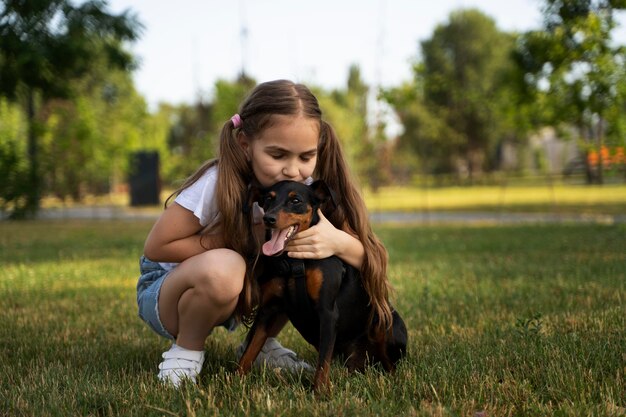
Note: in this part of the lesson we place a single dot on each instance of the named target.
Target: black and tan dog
(324, 299)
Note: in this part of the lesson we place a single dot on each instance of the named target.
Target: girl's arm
(324, 240)
(175, 236)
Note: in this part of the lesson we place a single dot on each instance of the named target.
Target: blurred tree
(465, 65)
(572, 62)
(123, 125)
(195, 130)
(159, 130)
(44, 46)
(460, 105)
(189, 138)
(88, 138)
(364, 142)
(368, 139)
(347, 111)
(425, 134)
(227, 98)
(13, 167)
(359, 142)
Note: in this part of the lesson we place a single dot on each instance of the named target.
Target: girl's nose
(290, 170)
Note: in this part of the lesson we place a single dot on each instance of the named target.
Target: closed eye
(306, 157)
(267, 200)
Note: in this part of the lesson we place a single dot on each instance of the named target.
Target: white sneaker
(180, 364)
(274, 355)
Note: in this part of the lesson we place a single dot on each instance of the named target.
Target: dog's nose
(269, 220)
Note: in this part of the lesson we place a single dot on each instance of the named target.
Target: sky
(186, 48)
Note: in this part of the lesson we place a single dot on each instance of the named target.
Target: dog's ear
(325, 195)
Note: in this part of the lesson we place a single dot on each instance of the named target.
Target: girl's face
(287, 150)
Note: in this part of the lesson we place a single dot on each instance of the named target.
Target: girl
(196, 272)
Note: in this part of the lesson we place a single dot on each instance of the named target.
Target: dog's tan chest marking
(314, 280)
(273, 288)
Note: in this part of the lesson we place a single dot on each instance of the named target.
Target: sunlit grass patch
(608, 199)
(516, 320)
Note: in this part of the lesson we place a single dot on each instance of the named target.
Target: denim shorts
(148, 289)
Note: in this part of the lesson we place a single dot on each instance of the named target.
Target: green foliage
(465, 66)
(573, 63)
(14, 179)
(469, 296)
(45, 46)
(13, 169)
(227, 98)
(461, 105)
(194, 130)
(189, 138)
(425, 134)
(359, 130)
(93, 134)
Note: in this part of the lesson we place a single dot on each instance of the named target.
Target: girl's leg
(199, 294)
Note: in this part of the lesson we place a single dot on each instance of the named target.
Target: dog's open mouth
(276, 245)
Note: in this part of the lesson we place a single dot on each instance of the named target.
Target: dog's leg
(270, 318)
(328, 333)
(381, 348)
(397, 339)
(391, 345)
(356, 356)
(254, 343)
(267, 323)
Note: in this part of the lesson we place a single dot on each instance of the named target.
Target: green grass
(515, 320)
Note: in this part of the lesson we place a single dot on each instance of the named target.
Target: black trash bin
(144, 180)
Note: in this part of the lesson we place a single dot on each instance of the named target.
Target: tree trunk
(476, 161)
(586, 133)
(33, 193)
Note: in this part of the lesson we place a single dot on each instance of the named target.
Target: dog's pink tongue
(276, 244)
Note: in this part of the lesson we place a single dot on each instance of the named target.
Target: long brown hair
(282, 97)
(352, 212)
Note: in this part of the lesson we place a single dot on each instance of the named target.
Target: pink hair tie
(236, 119)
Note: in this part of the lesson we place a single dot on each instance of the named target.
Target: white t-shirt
(199, 198)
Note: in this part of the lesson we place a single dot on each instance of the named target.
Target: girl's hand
(318, 242)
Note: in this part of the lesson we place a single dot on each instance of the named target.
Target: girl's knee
(222, 275)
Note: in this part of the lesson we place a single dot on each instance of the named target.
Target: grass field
(546, 198)
(503, 321)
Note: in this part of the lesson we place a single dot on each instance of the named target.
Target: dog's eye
(295, 200)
